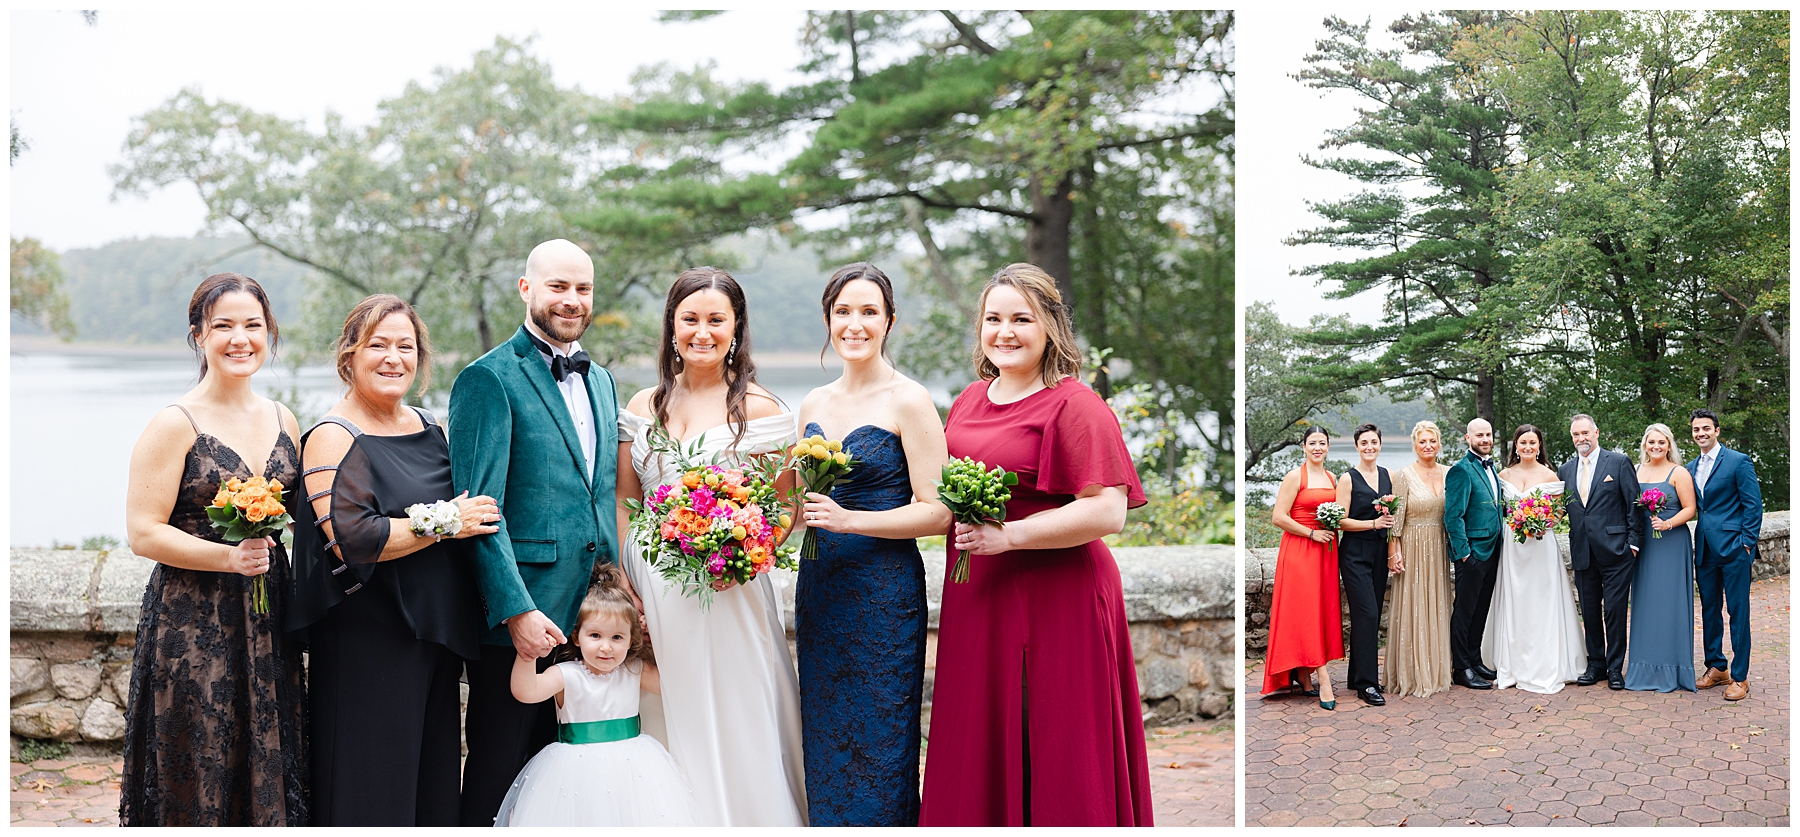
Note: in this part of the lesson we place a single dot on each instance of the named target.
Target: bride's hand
(720, 585)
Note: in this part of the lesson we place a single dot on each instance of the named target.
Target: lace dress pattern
(859, 613)
(214, 729)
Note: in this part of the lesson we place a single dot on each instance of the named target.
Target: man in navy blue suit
(1725, 538)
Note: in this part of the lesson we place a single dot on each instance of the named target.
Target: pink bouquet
(1535, 516)
(1389, 505)
(1654, 501)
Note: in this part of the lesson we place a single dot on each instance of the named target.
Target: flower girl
(601, 770)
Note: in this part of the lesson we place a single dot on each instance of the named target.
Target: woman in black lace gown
(389, 614)
(214, 725)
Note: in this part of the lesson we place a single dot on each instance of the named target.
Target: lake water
(1395, 454)
(77, 413)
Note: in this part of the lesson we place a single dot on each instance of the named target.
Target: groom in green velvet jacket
(1472, 496)
(534, 425)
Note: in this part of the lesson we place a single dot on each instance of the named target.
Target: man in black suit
(1605, 534)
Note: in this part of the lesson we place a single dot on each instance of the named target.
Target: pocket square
(1608, 478)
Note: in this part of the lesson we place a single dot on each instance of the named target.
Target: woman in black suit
(1362, 559)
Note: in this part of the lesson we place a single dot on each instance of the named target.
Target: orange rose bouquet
(245, 509)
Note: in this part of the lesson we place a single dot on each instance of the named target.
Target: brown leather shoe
(1738, 690)
(1713, 677)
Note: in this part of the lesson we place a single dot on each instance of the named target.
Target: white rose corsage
(440, 520)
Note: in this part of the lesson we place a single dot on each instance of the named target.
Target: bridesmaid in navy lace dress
(214, 726)
(859, 609)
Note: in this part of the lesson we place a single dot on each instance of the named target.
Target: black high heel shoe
(1295, 684)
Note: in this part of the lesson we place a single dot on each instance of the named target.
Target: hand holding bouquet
(1653, 500)
(1330, 515)
(1388, 505)
(1534, 516)
(714, 527)
(250, 509)
(976, 496)
(820, 463)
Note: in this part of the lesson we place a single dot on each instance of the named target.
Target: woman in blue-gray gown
(859, 608)
(1661, 644)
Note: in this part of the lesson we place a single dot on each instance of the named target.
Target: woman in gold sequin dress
(1418, 647)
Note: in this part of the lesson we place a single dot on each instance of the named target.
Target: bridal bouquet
(819, 463)
(1534, 516)
(245, 509)
(1330, 515)
(713, 525)
(1653, 500)
(1388, 504)
(974, 495)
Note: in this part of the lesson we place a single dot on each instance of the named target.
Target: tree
(438, 201)
(1072, 140)
(1283, 389)
(39, 293)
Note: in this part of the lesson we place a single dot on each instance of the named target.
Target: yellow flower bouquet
(245, 509)
(820, 463)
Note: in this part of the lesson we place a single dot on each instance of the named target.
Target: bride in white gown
(1533, 637)
(730, 707)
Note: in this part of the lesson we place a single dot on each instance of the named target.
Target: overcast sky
(75, 88)
(1279, 119)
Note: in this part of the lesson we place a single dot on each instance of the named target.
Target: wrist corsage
(440, 520)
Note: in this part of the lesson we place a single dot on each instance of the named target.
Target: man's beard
(1584, 447)
(556, 329)
(1483, 450)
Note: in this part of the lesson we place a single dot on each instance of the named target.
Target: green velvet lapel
(538, 373)
(600, 420)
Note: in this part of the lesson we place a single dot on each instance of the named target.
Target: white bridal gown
(730, 705)
(1533, 636)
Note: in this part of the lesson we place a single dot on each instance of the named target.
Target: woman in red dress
(1035, 718)
(1305, 629)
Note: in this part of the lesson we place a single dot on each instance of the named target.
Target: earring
(731, 353)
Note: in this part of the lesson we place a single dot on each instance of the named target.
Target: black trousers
(1605, 592)
(503, 734)
(383, 719)
(1362, 569)
(1474, 595)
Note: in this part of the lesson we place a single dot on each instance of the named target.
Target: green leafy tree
(39, 291)
(438, 201)
(1288, 382)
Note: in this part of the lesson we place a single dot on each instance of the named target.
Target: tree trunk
(1092, 300)
(485, 331)
(1484, 396)
(1047, 236)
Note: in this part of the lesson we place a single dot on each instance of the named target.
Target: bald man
(1472, 514)
(534, 425)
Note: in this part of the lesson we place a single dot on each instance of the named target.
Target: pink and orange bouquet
(245, 509)
(1653, 500)
(1535, 516)
(1388, 504)
(713, 526)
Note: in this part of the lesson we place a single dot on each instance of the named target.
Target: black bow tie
(562, 365)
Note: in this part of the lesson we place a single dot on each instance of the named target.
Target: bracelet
(434, 520)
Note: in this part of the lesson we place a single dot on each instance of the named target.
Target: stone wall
(1259, 579)
(74, 617)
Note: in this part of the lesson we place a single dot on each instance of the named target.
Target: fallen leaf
(1537, 707)
(1509, 809)
(1556, 816)
(1402, 823)
(1736, 747)
(1174, 765)
(1756, 730)
(1493, 749)
(39, 785)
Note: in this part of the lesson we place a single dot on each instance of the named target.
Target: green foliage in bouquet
(975, 495)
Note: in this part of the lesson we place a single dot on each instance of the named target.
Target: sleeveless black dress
(214, 725)
(1362, 568)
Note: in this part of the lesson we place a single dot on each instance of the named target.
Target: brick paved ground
(1191, 778)
(1586, 755)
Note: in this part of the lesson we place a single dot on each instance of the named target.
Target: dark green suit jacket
(1471, 511)
(511, 438)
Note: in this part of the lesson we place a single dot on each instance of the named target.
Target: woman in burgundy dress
(1036, 719)
(1305, 631)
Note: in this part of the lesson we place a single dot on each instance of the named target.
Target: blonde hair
(1427, 426)
(1674, 449)
(359, 329)
(1061, 356)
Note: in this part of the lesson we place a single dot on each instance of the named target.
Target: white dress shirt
(575, 397)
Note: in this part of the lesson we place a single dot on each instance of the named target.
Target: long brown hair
(359, 329)
(1061, 356)
(207, 295)
(740, 370)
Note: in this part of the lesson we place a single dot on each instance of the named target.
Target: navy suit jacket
(1730, 509)
(1610, 525)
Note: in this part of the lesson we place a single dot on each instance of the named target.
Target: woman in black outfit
(1362, 559)
(389, 613)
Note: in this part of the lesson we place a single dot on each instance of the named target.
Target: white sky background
(1280, 119)
(75, 89)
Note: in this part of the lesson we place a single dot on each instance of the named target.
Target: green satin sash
(598, 732)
